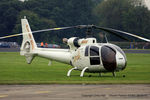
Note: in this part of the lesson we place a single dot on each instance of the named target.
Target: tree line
(127, 15)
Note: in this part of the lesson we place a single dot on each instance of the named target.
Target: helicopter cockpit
(105, 55)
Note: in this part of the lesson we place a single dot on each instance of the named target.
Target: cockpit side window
(94, 55)
(94, 60)
(86, 50)
(94, 51)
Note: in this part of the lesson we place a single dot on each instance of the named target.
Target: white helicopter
(83, 54)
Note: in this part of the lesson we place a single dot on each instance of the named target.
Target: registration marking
(42, 92)
(2, 96)
(107, 88)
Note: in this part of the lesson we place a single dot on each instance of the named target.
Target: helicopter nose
(121, 61)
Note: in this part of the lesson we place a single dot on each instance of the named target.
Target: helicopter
(85, 54)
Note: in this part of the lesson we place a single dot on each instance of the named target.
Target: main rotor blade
(14, 35)
(53, 29)
(114, 31)
(106, 30)
(38, 31)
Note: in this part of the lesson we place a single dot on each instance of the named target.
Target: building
(23, 0)
(147, 3)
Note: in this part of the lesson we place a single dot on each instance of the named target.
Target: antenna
(106, 38)
(89, 32)
(25, 17)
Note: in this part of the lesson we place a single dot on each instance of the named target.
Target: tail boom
(29, 48)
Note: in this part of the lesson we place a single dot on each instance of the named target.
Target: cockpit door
(94, 55)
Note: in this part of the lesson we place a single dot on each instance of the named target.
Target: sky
(147, 2)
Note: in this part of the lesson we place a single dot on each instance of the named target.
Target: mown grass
(14, 70)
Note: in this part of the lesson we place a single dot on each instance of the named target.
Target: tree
(36, 23)
(124, 15)
(9, 10)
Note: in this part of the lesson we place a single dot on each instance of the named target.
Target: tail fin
(28, 46)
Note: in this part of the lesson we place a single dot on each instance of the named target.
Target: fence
(133, 45)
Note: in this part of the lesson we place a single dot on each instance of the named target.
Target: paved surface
(74, 92)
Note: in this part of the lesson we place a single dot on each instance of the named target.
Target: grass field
(14, 70)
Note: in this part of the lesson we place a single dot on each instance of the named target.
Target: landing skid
(82, 72)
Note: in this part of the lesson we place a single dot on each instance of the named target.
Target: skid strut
(69, 72)
(82, 73)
